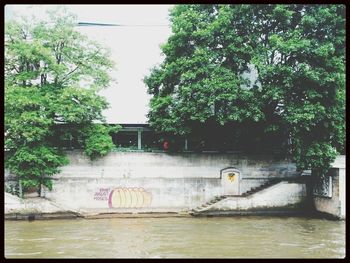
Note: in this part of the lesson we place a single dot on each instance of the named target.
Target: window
(127, 139)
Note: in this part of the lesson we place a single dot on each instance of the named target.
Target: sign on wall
(230, 180)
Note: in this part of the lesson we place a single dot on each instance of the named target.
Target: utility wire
(104, 24)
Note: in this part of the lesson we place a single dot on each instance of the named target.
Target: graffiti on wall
(101, 194)
(129, 197)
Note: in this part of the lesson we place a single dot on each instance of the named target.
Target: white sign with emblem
(230, 179)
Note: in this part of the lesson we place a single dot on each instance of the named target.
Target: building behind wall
(233, 139)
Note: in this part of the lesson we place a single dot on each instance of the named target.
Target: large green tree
(52, 78)
(297, 53)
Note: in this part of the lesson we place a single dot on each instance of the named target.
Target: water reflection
(235, 237)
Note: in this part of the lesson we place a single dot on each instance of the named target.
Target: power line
(106, 24)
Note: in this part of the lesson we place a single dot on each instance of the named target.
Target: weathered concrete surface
(14, 204)
(164, 194)
(336, 204)
(139, 181)
(179, 165)
(279, 196)
(39, 208)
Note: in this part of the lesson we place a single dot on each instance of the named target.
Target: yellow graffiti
(132, 197)
(231, 176)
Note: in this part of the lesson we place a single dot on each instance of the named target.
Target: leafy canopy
(296, 54)
(52, 78)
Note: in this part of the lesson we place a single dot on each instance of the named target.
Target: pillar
(139, 140)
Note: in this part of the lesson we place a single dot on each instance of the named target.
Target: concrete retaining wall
(334, 205)
(143, 181)
(125, 181)
(281, 195)
(181, 165)
(14, 204)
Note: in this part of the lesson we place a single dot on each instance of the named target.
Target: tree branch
(76, 68)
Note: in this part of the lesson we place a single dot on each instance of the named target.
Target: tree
(52, 78)
(298, 54)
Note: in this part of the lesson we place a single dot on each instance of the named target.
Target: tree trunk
(20, 189)
(40, 185)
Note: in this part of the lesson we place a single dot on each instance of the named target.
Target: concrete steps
(261, 187)
(198, 210)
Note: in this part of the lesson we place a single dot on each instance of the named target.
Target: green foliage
(52, 78)
(32, 163)
(97, 141)
(298, 52)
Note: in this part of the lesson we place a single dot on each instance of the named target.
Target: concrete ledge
(277, 213)
(137, 215)
(41, 216)
(68, 215)
(266, 212)
(326, 215)
(289, 212)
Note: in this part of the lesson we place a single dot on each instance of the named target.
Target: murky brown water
(235, 237)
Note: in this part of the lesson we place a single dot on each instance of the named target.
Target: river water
(216, 237)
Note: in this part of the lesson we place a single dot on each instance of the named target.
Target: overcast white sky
(135, 49)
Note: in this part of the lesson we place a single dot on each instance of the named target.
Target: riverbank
(70, 215)
(38, 208)
(32, 205)
(138, 184)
